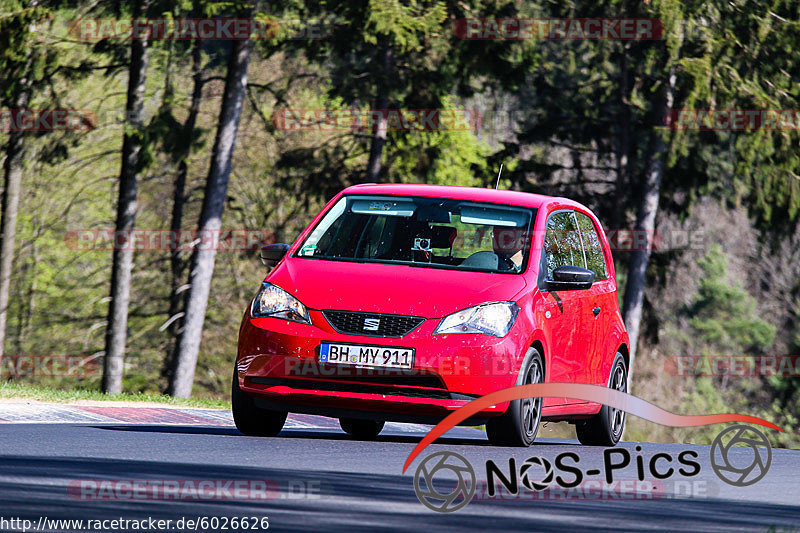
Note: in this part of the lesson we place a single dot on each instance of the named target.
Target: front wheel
(520, 423)
(605, 428)
(250, 419)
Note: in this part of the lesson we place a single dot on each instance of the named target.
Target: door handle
(596, 311)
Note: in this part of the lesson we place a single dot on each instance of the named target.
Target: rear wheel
(250, 419)
(519, 424)
(361, 429)
(606, 427)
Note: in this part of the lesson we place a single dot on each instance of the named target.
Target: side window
(591, 244)
(562, 243)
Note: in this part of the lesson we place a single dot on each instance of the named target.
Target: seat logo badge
(371, 324)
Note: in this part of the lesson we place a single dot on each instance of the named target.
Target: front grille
(371, 324)
(366, 388)
(373, 376)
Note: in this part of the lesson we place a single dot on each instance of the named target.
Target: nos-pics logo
(445, 463)
(740, 455)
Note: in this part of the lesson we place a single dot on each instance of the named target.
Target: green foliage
(441, 158)
(18, 28)
(740, 397)
(428, 66)
(723, 316)
(736, 66)
(786, 389)
(408, 25)
(452, 156)
(723, 321)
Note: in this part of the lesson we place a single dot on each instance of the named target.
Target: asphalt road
(326, 482)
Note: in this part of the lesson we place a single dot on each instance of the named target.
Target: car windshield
(423, 232)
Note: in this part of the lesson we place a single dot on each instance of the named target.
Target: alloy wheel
(617, 416)
(531, 409)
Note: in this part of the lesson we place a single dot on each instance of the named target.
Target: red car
(405, 302)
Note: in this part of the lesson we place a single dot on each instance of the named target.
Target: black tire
(606, 427)
(520, 423)
(361, 429)
(252, 420)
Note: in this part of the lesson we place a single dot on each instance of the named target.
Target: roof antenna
(498, 176)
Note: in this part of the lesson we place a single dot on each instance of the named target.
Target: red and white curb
(41, 413)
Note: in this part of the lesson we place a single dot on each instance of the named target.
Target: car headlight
(490, 319)
(272, 301)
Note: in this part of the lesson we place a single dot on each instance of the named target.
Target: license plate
(364, 355)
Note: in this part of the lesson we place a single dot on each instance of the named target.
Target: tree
(723, 320)
(12, 182)
(178, 141)
(723, 316)
(202, 265)
(406, 55)
(17, 59)
(646, 222)
(609, 100)
(384, 57)
(122, 262)
(724, 56)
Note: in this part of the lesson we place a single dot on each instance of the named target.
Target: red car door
(600, 301)
(567, 333)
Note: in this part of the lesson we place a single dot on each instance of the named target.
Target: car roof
(474, 194)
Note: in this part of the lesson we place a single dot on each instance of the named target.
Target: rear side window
(591, 245)
(562, 243)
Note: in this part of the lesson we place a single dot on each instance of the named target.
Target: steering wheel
(506, 262)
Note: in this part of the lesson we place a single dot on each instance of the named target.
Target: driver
(508, 244)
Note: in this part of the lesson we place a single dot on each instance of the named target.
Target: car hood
(395, 289)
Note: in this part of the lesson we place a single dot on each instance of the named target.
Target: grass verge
(44, 394)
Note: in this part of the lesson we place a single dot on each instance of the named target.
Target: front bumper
(277, 364)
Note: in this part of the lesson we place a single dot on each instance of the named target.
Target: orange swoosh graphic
(591, 393)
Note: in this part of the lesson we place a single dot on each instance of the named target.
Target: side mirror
(570, 278)
(271, 254)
